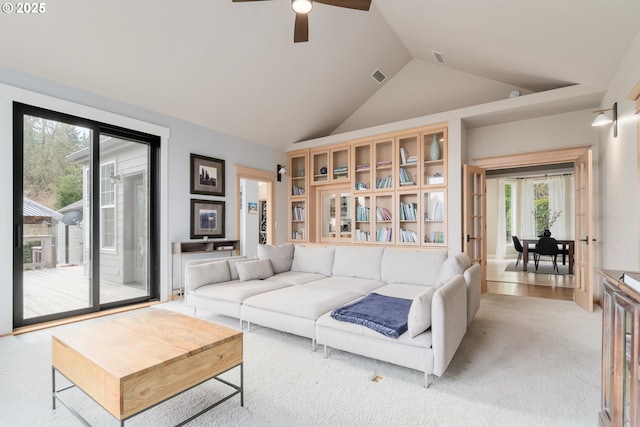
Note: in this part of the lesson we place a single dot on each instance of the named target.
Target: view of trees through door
(82, 215)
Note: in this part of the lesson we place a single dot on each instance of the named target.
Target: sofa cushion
(313, 259)
(355, 261)
(281, 256)
(420, 312)
(353, 284)
(236, 291)
(296, 277)
(207, 273)
(413, 267)
(232, 266)
(453, 266)
(254, 269)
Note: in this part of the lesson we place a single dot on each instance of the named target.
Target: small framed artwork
(252, 208)
(207, 175)
(207, 218)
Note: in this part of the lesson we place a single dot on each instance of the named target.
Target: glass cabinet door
(625, 363)
(335, 215)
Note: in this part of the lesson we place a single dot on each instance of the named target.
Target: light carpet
(523, 362)
(543, 268)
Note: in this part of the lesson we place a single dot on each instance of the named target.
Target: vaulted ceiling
(234, 67)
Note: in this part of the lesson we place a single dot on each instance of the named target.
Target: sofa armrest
(473, 280)
(448, 321)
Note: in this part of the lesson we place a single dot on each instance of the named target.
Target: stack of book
(297, 191)
(408, 236)
(383, 214)
(405, 178)
(340, 171)
(405, 159)
(383, 164)
(362, 213)
(363, 167)
(384, 182)
(408, 211)
(297, 213)
(383, 235)
(362, 235)
(362, 185)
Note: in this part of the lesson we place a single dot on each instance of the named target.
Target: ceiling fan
(303, 7)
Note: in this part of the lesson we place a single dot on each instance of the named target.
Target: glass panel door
(85, 237)
(55, 253)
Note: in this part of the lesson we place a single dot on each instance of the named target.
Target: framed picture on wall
(207, 175)
(207, 218)
(252, 208)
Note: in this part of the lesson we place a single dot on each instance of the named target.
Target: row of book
(408, 236)
(435, 237)
(405, 177)
(437, 213)
(297, 213)
(383, 164)
(362, 235)
(340, 171)
(362, 213)
(297, 191)
(363, 167)
(408, 211)
(298, 234)
(384, 235)
(383, 214)
(384, 182)
(362, 185)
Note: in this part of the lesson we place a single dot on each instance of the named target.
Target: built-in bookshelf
(361, 166)
(383, 158)
(408, 219)
(408, 161)
(363, 220)
(298, 195)
(388, 190)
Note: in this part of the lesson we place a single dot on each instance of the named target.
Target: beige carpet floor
(523, 362)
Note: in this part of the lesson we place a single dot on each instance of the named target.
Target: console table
(194, 247)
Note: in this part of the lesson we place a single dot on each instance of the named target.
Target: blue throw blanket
(387, 315)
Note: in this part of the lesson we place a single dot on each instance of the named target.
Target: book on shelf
(384, 234)
(384, 182)
(403, 155)
(383, 163)
(435, 237)
(362, 213)
(408, 211)
(383, 214)
(297, 191)
(362, 185)
(362, 235)
(632, 280)
(363, 167)
(408, 236)
(405, 177)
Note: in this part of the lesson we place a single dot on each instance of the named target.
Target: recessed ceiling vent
(439, 57)
(378, 76)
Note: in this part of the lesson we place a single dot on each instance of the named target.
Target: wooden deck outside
(62, 289)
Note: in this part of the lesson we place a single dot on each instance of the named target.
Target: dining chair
(518, 247)
(547, 246)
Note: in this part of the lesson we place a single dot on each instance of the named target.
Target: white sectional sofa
(296, 288)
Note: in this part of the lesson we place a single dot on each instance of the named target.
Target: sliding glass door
(84, 220)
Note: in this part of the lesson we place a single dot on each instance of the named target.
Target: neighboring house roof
(75, 206)
(31, 208)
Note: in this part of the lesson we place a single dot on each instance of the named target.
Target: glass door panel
(55, 256)
(124, 219)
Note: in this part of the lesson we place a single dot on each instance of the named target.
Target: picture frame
(207, 175)
(207, 218)
(252, 208)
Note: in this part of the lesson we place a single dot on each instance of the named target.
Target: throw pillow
(313, 259)
(232, 266)
(420, 312)
(411, 267)
(451, 267)
(254, 269)
(281, 256)
(207, 273)
(357, 262)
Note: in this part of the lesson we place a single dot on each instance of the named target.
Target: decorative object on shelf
(207, 175)
(207, 218)
(437, 178)
(435, 148)
(323, 170)
(545, 219)
(301, 173)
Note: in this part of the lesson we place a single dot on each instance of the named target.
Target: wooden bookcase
(385, 190)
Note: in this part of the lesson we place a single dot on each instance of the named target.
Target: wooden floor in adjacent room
(527, 283)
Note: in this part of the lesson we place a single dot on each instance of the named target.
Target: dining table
(567, 251)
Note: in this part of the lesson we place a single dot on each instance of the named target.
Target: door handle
(17, 237)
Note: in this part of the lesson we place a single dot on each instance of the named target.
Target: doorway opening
(255, 209)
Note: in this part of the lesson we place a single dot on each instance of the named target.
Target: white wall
(618, 172)
(249, 221)
(185, 138)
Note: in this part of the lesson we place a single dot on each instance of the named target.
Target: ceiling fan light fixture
(301, 6)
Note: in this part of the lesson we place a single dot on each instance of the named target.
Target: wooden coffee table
(131, 363)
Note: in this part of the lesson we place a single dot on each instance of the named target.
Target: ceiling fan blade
(301, 30)
(351, 4)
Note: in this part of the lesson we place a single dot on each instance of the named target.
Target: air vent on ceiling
(378, 76)
(439, 57)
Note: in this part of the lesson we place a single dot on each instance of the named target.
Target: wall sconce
(281, 170)
(114, 179)
(602, 119)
